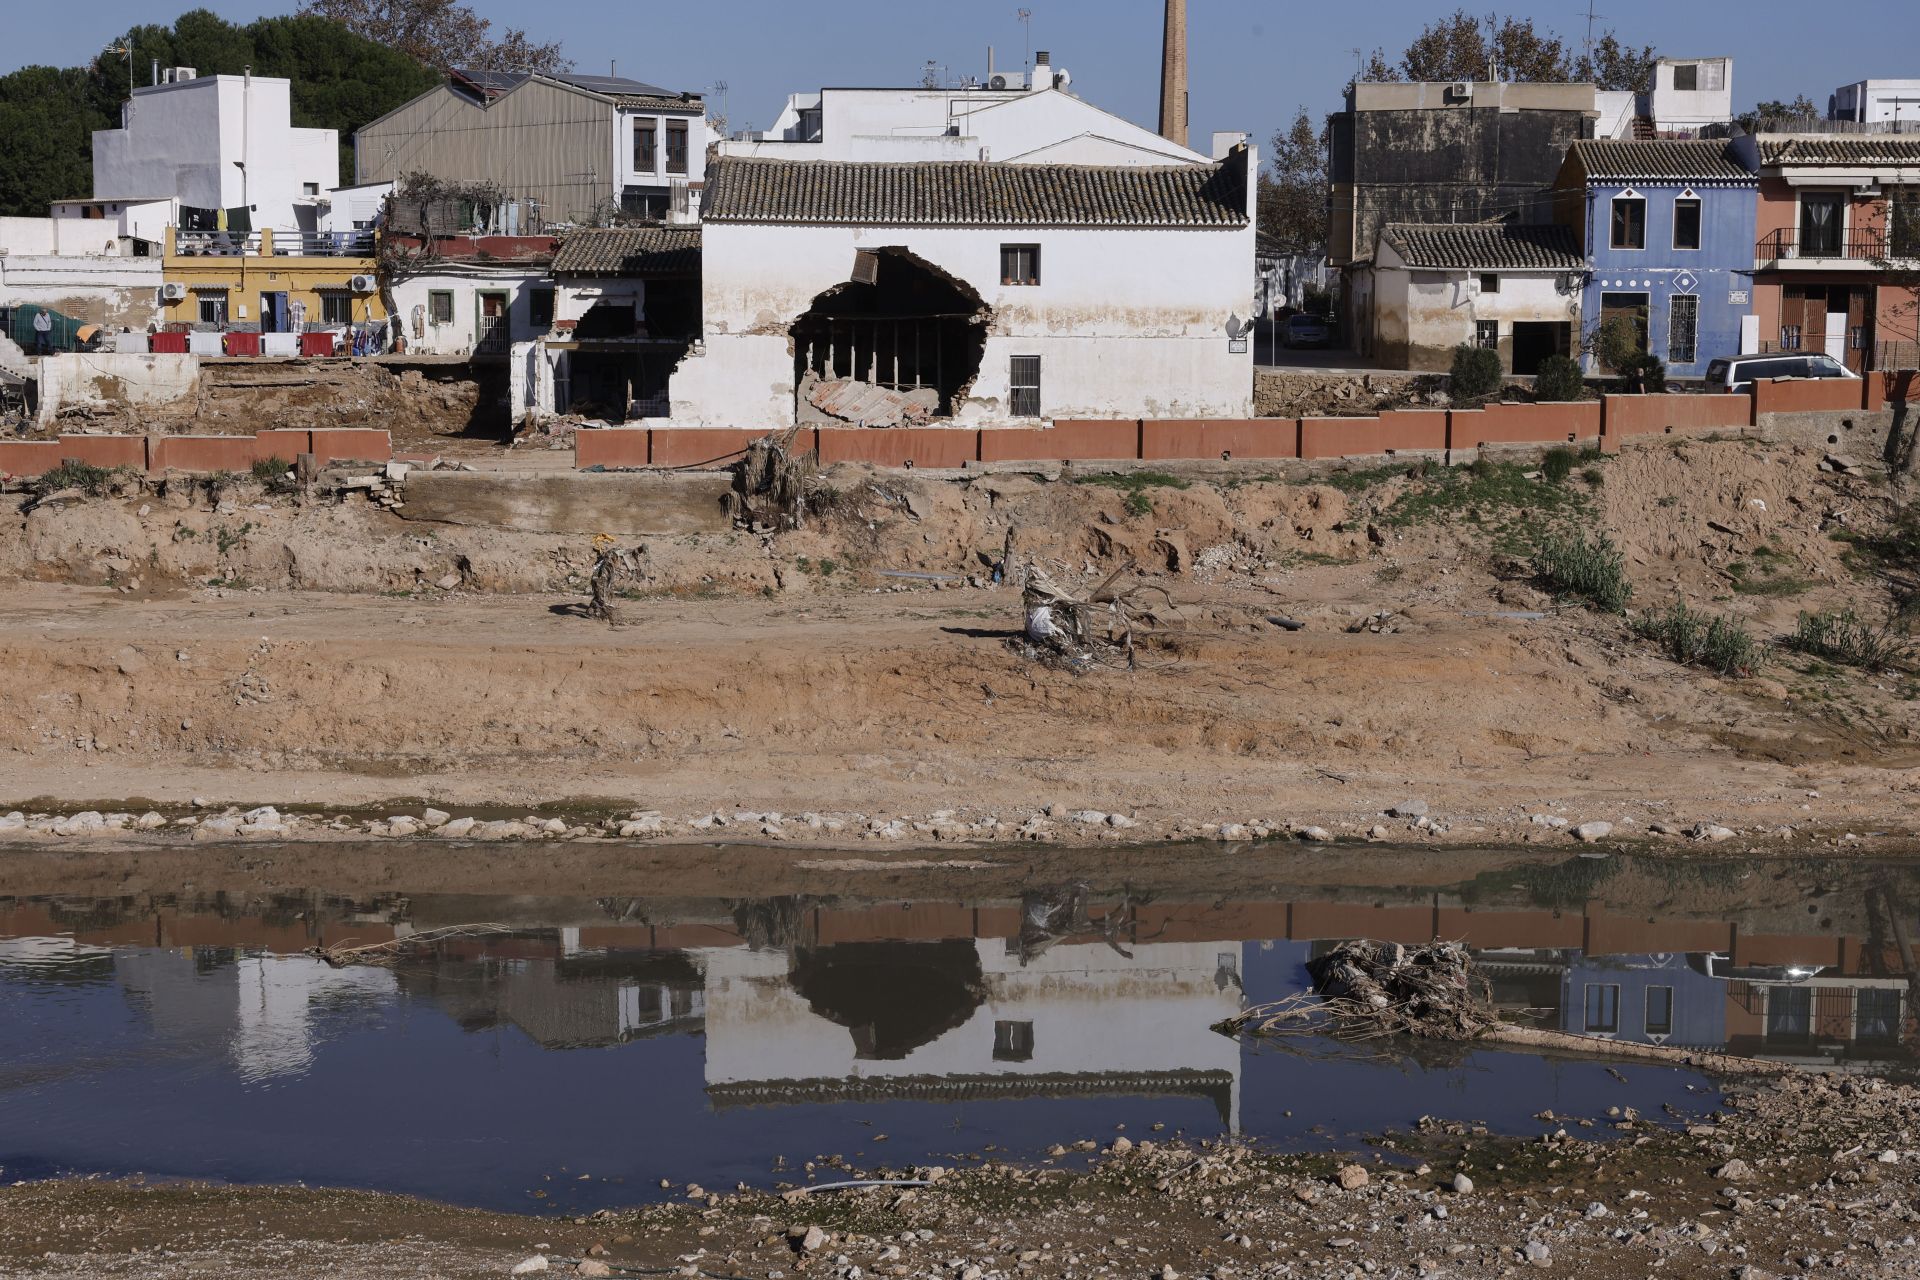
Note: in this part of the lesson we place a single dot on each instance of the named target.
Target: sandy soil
(1808, 1176)
(781, 674)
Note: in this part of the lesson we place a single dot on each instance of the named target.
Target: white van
(1738, 373)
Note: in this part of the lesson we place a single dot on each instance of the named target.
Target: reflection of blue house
(1658, 999)
(1668, 227)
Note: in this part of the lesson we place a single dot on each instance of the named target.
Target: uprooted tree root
(1364, 990)
(340, 956)
(1098, 626)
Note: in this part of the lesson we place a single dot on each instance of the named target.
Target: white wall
(411, 297)
(1094, 1012)
(125, 220)
(27, 236)
(912, 125)
(112, 380)
(699, 135)
(1435, 311)
(1877, 100)
(1128, 323)
(181, 140)
(1686, 111)
(351, 207)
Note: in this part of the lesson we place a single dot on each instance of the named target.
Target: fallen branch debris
(1364, 990)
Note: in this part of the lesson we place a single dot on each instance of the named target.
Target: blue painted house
(1668, 229)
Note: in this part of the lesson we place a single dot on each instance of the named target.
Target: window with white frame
(1629, 222)
(1659, 1012)
(1686, 223)
(1683, 328)
(1024, 387)
(1019, 264)
(1603, 1008)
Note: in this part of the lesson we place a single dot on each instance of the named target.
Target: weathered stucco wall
(115, 292)
(1421, 316)
(1446, 164)
(113, 380)
(1164, 353)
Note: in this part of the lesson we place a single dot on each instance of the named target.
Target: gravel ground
(1811, 1176)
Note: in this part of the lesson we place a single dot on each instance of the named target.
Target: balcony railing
(1852, 246)
(278, 244)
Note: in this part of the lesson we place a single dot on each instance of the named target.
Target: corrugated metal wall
(542, 141)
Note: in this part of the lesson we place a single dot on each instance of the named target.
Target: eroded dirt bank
(244, 649)
(1812, 1175)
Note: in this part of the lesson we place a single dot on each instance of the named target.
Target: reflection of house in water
(965, 1018)
(562, 1000)
(263, 1008)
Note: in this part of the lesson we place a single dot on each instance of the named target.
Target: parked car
(1737, 373)
(1303, 330)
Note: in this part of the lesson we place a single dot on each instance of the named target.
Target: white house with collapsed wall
(979, 292)
(980, 255)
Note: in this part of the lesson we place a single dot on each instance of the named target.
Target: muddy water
(583, 1050)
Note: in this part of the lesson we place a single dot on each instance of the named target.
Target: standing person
(42, 332)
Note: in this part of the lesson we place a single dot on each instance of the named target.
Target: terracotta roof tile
(1850, 151)
(630, 251)
(1485, 246)
(974, 193)
(1658, 158)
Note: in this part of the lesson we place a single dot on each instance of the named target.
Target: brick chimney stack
(1173, 75)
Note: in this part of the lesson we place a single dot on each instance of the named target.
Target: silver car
(1737, 373)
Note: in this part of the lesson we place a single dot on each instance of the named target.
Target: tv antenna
(1591, 16)
(1359, 63)
(1026, 20)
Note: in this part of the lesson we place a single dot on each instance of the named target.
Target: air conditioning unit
(1001, 80)
(173, 292)
(1459, 91)
(361, 284)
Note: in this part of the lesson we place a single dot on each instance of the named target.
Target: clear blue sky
(1253, 61)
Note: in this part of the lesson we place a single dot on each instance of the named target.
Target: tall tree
(1764, 113)
(440, 34)
(48, 115)
(1617, 67)
(46, 143)
(1293, 190)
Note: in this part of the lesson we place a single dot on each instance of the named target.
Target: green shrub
(89, 479)
(1558, 464)
(1476, 372)
(1722, 645)
(1842, 637)
(1558, 379)
(1644, 373)
(271, 471)
(1594, 570)
(1138, 503)
(1594, 476)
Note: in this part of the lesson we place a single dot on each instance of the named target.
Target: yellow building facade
(277, 283)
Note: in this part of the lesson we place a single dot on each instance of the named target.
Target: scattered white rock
(1712, 831)
(1593, 831)
(532, 1266)
(1462, 1184)
(1318, 835)
(435, 817)
(1408, 809)
(150, 821)
(457, 827)
(1553, 820)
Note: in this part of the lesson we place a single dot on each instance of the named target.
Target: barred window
(440, 306)
(1486, 333)
(1789, 337)
(213, 305)
(1683, 328)
(1025, 386)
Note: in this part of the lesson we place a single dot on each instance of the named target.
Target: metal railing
(278, 244)
(1851, 246)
